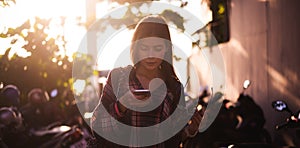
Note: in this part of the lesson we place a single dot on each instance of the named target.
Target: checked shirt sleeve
(106, 116)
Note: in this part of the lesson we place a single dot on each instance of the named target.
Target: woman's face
(151, 52)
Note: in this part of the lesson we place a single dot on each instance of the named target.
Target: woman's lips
(151, 63)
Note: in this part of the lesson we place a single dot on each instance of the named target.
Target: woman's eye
(144, 48)
(159, 48)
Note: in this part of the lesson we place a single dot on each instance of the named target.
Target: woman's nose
(150, 53)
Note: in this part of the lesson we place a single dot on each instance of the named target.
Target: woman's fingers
(140, 97)
(197, 118)
(140, 103)
(195, 122)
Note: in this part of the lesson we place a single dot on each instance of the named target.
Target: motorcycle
(293, 121)
(59, 135)
(238, 124)
(291, 127)
(12, 128)
(56, 135)
(249, 130)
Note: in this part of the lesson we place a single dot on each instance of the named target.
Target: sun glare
(116, 49)
(14, 16)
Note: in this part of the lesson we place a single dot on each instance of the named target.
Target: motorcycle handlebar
(292, 122)
(280, 126)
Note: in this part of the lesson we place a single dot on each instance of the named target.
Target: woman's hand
(193, 126)
(194, 123)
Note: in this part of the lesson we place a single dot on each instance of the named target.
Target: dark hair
(151, 26)
(155, 26)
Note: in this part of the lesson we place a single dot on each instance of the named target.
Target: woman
(151, 54)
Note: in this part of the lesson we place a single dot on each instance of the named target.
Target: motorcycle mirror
(246, 84)
(280, 105)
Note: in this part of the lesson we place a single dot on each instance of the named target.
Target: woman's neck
(141, 71)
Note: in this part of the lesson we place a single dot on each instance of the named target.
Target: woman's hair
(151, 26)
(155, 26)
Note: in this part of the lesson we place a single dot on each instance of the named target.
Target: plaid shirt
(108, 124)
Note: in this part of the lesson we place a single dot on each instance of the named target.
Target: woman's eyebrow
(159, 45)
(144, 45)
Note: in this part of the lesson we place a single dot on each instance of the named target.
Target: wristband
(117, 110)
(119, 113)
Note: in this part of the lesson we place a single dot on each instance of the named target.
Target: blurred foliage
(130, 19)
(215, 32)
(4, 3)
(129, 1)
(83, 69)
(46, 68)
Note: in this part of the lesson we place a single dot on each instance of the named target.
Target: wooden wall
(265, 48)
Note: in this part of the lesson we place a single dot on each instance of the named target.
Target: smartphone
(144, 92)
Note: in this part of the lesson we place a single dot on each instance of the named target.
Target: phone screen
(145, 92)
